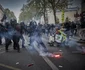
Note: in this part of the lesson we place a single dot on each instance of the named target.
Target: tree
(9, 14)
(57, 5)
(35, 8)
(25, 16)
(26, 13)
(43, 7)
(12, 15)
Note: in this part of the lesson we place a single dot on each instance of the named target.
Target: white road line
(10, 67)
(1, 48)
(50, 63)
(2, 52)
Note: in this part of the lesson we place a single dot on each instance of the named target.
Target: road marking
(2, 52)
(50, 63)
(1, 48)
(10, 67)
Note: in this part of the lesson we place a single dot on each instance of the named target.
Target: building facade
(83, 5)
(1, 12)
(69, 12)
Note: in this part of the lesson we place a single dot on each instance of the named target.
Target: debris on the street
(60, 66)
(29, 65)
(60, 50)
(17, 63)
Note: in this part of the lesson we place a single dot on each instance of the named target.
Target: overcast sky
(13, 5)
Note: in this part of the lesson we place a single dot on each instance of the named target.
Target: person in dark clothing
(16, 38)
(39, 38)
(35, 35)
(22, 31)
(73, 27)
(82, 19)
(0, 40)
(13, 33)
(0, 33)
(2, 30)
(32, 30)
(67, 26)
(8, 42)
(16, 42)
(7, 35)
(67, 31)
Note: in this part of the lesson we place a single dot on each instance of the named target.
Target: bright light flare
(57, 55)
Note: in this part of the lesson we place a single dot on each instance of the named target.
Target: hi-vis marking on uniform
(9, 67)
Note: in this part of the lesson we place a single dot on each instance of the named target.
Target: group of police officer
(12, 32)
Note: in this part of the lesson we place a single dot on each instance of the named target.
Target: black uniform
(8, 36)
(0, 33)
(12, 33)
(16, 38)
(2, 30)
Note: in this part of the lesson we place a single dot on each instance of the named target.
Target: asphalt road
(30, 59)
(26, 60)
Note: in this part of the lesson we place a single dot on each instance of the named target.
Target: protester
(73, 28)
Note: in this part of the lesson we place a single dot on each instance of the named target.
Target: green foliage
(35, 8)
(57, 5)
(9, 14)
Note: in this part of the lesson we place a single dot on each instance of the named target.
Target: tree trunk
(54, 12)
(44, 18)
(44, 11)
